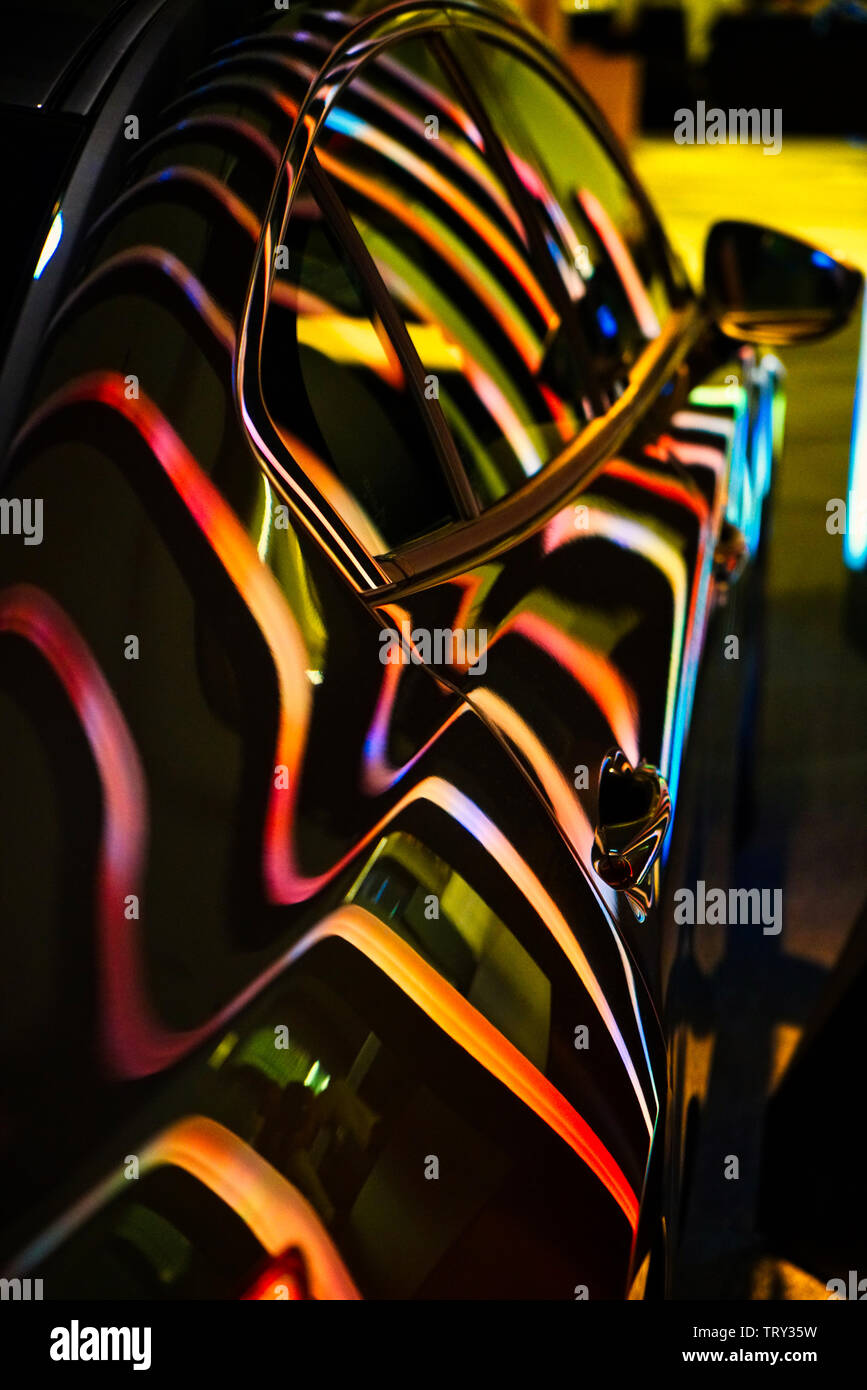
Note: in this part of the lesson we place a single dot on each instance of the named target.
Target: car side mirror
(763, 286)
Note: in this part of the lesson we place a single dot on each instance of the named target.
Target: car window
(411, 167)
(339, 395)
(595, 227)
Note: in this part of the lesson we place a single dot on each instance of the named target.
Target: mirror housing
(766, 287)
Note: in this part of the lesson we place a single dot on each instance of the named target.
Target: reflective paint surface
(315, 931)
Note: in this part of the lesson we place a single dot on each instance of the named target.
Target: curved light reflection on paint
(52, 241)
(457, 1017)
(178, 175)
(855, 541)
(602, 681)
(157, 258)
(639, 536)
(31, 614)
(138, 1045)
(279, 1216)
(275, 1211)
(590, 669)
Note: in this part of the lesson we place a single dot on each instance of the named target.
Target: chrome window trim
(366, 573)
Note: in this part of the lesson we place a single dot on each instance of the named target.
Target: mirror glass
(763, 286)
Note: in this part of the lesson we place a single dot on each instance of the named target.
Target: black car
(381, 519)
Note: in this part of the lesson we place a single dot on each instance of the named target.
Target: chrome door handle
(633, 814)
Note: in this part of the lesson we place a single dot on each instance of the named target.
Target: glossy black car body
(321, 977)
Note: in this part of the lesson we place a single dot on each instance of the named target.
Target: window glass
(339, 396)
(594, 225)
(411, 167)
